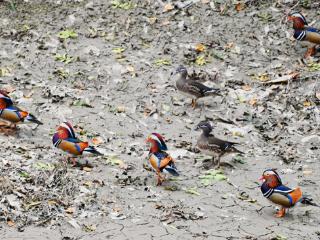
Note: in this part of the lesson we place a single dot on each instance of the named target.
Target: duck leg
(281, 213)
(194, 103)
(217, 161)
(159, 179)
(310, 52)
(74, 161)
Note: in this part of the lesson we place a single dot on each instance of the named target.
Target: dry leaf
(121, 109)
(253, 102)
(87, 169)
(263, 77)
(284, 78)
(168, 7)
(307, 172)
(152, 20)
(70, 210)
(97, 140)
(87, 183)
(52, 202)
(200, 47)
(165, 22)
(318, 95)
(205, 1)
(246, 87)
(306, 103)
(10, 223)
(240, 6)
(229, 45)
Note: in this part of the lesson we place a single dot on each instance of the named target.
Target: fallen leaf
(192, 191)
(212, 175)
(10, 223)
(171, 188)
(114, 160)
(240, 6)
(246, 87)
(70, 210)
(87, 169)
(279, 237)
(160, 62)
(90, 228)
(118, 50)
(201, 60)
(237, 134)
(200, 47)
(67, 34)
(97, 140)
(253, 102)
(168, 7)
(284, 78)
(306, 103)
(238, 159)
(43, 166)
(121, 109)
(52, 202)
(82, 103)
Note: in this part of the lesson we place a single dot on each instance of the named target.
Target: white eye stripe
(155, 138)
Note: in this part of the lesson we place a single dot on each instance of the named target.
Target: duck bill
(261, 178)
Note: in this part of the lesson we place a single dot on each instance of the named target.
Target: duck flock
(272, 186)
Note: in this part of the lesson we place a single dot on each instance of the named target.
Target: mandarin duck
(159, 159)
(66, 140)
(5, 100)
(13, 114)
(273, 189)
(212, 146)
(304, 33)
(191, 88)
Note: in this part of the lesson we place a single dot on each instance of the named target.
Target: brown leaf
(246, 87)
(97, 140)
(87, 169)
(11, 223)
(240, 6)
(70, 210)
(200, 47)
(306, 103)
(168, 7)
(253, 102)
(52, 202)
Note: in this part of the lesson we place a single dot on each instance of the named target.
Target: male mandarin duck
(159, 159)
(5, 100)
(66, 140)
(273, 189)
(212, 146)
(304, 33)
(192, 88)
(13, 114)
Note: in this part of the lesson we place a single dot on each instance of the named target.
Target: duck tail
(33, 119)
(172, 171)
(212, 91)
(308, 201)
(235, 150)
(92, 150)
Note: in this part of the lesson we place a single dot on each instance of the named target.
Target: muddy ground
(109, 74)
